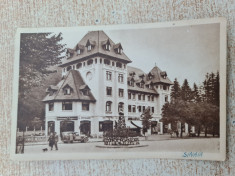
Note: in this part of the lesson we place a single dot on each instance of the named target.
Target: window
(85, 106)
(101, 61)
(109, 75)
(129, 95)
(109, 91)
(119, 65)
(119, 50)
(152, 98)
(157, 86)
(51, 106)
(129, 108)
(139, 97)
(78, 51)
(89, 62)
(85, 92)
(120, 78)
(121, 93)
(67, 91)
(148, 97)
(152, 109)
(121, 107)
(143, 108)
(164, 87)
(133, 108)
(133, 96)
(84, 63)
(96, 60)
(139, 108)
(89, 47)
(166, 98)
(107, 47)
(143, 97)
(107, 62)
(108, 106)
(131, 83)
(141, 85)
(112, 63)
(106, 125)
(79, 65)
(69, 68)
(66, 105)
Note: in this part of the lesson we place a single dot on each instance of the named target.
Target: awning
(137, 124)
(134, 124)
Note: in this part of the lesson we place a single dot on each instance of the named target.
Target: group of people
(53, 140)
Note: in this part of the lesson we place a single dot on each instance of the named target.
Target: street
(210, 145)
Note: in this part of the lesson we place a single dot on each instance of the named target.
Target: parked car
(70, 136)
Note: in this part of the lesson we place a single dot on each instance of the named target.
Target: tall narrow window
(121, 92)
(120, 78)
(166, 98)
(139, 108)
(129, 108)
(51, 106)
(148, 97)
(89, 47)
(109, 75)
(108, 106)
(139, 96)
(133, 108)
(129, 95)
(152, 97)
(109, 91)
(152, 109)
(133, 96)
(143, 97)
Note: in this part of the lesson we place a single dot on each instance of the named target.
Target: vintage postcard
(121, 92)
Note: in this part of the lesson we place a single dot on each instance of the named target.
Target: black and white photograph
(121, 92)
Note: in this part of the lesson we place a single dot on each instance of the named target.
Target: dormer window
(163, 74)
(89, 47)
(69, 53)
(51, 90)
(85, 90)
(119, 65)
(118, 48)
(106, 45)
(67, 90)
(79, 49)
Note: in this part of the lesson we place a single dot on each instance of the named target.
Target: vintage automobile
(70, 136)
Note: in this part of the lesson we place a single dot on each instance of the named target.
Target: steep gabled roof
(137, 77)
(96, 38)
(75, 81)
(158, 76)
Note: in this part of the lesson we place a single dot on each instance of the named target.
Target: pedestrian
(56, 140)
(51, 140)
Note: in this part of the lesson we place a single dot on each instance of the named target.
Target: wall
(60, 13)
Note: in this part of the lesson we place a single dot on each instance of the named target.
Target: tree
(175, 90)
(39, 52)
(186, 92)
(195, 93)
(146, 117)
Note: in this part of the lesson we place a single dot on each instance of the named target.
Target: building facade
(97, 84)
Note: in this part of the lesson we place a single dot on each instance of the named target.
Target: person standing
(51, 140)
(56, 140)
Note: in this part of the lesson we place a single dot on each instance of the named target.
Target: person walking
(56, 140)
(51, 140)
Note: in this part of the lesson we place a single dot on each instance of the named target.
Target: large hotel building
(97, 83)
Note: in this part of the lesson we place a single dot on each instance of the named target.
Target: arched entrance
(51, 127)
(85, 127)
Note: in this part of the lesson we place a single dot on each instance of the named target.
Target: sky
(184, 52)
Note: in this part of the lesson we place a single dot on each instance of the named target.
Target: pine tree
(186, 92)
(195, 93)
(175, 90)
